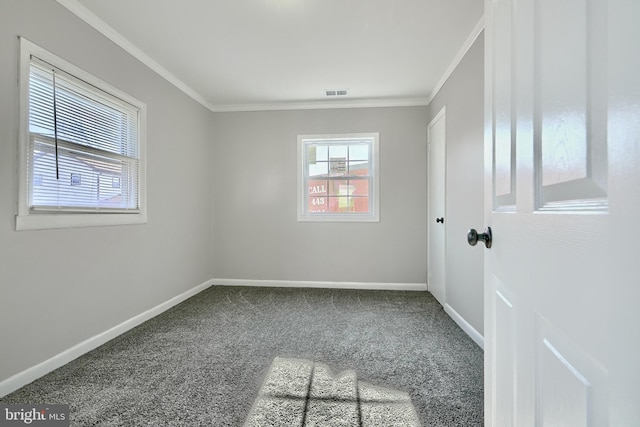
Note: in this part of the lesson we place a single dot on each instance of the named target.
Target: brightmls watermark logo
(34, 415)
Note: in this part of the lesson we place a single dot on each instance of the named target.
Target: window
(81, 147)
(338, 177)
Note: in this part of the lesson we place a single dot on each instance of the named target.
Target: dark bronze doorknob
(473, 236)
(440, 220)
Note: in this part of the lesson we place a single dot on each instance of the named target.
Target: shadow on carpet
(299, 392)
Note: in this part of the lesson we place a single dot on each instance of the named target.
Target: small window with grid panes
(338, 177)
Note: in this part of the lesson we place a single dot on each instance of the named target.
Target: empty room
(319, 212)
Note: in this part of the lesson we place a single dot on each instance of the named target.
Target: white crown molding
(102, 27)
(465, 326)
(33, 373)
(90, 18)
(317, 284)
(321, 105)
(475, 33)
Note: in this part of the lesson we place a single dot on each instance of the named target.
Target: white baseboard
(31, 374)
(328, 285)
(465, 326)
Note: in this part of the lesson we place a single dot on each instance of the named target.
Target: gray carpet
(206, 361)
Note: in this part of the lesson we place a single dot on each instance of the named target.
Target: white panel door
(562, 187)
(436, 235)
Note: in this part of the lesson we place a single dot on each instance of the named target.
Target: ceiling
(234, 55)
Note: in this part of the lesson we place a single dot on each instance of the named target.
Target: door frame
(442, 114)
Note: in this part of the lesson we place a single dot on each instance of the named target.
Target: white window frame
(28, 219)
(374, 172)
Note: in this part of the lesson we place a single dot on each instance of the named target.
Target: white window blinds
(84, 146)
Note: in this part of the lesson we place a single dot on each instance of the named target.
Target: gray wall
(256, 232)
(60, 287)
(463, 94)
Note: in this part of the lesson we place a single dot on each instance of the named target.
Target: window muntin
(338, 177)
(81, 146)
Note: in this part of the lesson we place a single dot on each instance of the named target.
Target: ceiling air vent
(336, 92)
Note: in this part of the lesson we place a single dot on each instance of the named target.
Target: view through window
(339, 177)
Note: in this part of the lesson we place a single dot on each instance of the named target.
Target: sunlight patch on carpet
(298, 392)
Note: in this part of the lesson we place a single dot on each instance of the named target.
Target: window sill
(338, 218)
(53, 221)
